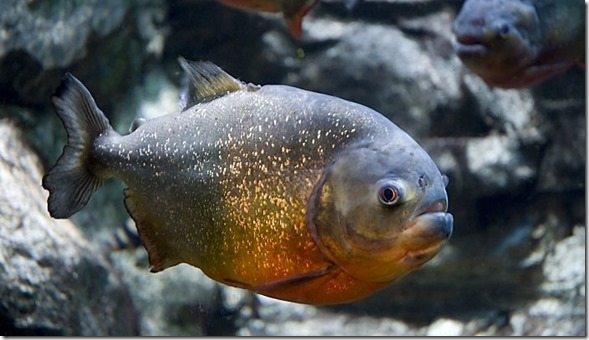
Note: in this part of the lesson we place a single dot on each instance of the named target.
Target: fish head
(497, 38)
(380, 212)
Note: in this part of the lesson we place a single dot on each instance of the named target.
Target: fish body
(520, 43)
(285, 192)
(293, 10)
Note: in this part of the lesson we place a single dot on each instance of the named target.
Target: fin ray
(205, 81)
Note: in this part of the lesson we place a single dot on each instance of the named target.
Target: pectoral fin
(300, 288)
(338, 287)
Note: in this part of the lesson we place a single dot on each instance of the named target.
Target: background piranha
(293, 10)
(285, 192)
(520, 43)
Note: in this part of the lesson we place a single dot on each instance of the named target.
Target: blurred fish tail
(71, 181)
(294, 16)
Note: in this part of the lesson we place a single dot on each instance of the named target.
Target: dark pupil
(388, 194)
(503, 29)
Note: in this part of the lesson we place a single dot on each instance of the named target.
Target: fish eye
(389, 194)
(503, 30)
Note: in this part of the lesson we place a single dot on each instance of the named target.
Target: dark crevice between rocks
(221, 321)
(446, 120)
(510, 209)
(8, 328)
(421, 297)
(570, 84)
(24, 82)
(118, 68)
(386, 12)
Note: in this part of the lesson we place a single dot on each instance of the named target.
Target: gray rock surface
(561, 309)
(374, 64)
(516, 160)
(61, 28)
(177, 301)
(39, 37)
(52, 280)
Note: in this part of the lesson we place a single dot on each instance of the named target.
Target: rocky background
(515, 264)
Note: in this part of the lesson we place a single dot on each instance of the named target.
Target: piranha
(520, 43)
(292, 10)
(288, 193)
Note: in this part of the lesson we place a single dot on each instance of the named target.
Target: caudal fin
(70, 181)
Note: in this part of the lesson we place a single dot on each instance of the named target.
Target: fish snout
(428, 230)
(427, 235)
(435, 225)
(432, 217)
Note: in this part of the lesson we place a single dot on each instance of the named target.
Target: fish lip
(442, 223)
(432, 220)
(432, 206)
(470, 44)
(468, 39)
(427, 234)
(470, 49)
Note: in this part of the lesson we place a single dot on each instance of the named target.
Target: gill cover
(359, 211)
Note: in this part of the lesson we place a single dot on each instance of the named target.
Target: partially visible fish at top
(293, 10)
(520, 43)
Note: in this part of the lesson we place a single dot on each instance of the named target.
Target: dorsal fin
(205, 81)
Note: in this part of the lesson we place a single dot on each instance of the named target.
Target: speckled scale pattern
(224, 185)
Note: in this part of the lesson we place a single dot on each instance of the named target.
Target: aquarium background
(515, 264)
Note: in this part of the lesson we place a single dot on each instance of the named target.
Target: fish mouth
(428, 231)
(432, 218)
(470, 46)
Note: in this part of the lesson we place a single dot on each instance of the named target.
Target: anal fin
(154, 241)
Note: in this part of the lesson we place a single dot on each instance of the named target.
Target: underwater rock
(561, 309)
(280, 318)
(52, 280)
(377, 65)
(37, 38)
(181, 301)
(562, 107)
(55, 33)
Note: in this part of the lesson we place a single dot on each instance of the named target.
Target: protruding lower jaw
(470, 50)
(428, 232)
(434, 226)
(470, 46)
(426, 237)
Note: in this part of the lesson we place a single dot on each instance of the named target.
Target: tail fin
(71, 182)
